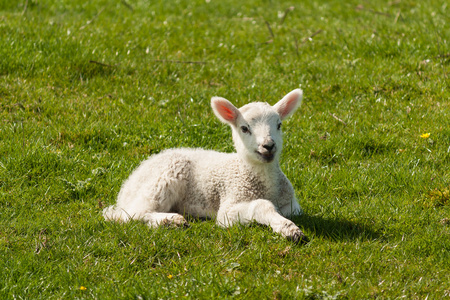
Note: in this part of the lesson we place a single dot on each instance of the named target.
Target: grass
(88, 89)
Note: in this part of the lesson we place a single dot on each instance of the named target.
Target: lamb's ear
(287, 106)
(224, 110)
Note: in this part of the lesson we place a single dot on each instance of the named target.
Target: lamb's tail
(113, 213)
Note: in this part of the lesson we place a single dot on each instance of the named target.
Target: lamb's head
(257, 126)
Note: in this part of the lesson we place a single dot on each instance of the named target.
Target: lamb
(236, 187)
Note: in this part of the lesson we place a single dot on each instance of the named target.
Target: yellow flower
(169, 276)
(425, 135)
(83, 288)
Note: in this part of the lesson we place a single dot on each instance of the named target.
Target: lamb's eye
(279, 126)
(245, 129)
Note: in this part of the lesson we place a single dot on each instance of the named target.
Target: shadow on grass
(332, 229)
(335, 229)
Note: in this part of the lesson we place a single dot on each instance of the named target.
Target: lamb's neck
(263, 169)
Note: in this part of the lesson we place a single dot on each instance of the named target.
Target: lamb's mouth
(266, 157)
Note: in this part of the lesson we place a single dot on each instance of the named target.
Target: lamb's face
(257, 126)
(257, 133)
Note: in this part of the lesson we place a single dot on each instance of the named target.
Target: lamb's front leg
(291, 209)
(263, 212)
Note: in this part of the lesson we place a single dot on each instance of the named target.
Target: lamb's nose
(269, 146)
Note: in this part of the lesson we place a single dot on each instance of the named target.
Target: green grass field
(88, 89)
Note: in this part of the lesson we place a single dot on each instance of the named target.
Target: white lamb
(231, 187)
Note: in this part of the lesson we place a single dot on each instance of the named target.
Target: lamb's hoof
(299, 238)
(294, 234)
(175, 221)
